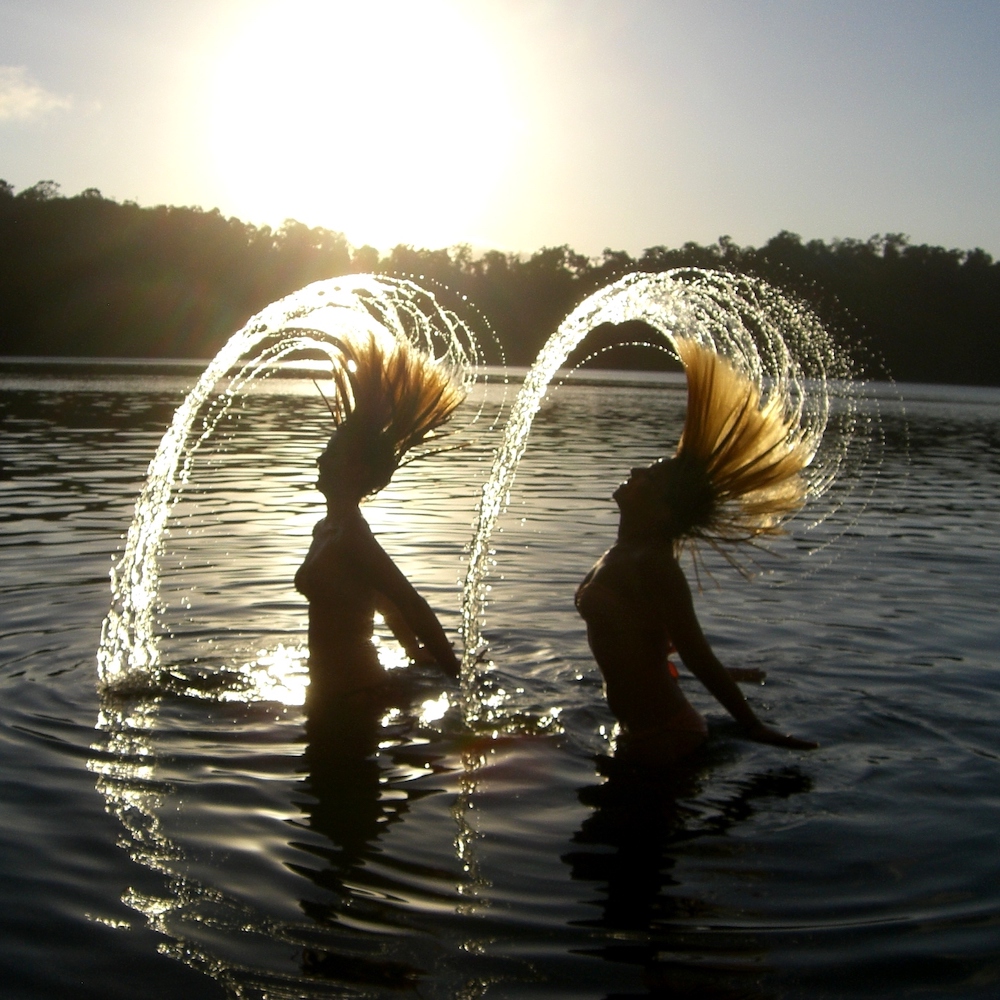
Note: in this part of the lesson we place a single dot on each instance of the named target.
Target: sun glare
(389, 121)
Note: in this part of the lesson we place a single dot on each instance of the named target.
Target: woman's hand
(760, 733)
(423, 657)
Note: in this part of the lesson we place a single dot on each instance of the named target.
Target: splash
(776, 341)
(306, 324)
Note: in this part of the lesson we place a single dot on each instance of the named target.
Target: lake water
(181, 838)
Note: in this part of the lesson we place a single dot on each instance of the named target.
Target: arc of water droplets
(775, 341)
(351, 308)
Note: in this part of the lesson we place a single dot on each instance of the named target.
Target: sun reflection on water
(279, 675)
(434, 709)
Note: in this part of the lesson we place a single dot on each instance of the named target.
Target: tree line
(88, 276)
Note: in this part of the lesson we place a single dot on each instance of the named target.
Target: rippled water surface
(182, 839)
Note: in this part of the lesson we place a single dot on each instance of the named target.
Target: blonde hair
(736, 474)
(388, 400)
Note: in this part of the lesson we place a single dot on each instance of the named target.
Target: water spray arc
(775, 341)
(308, 323)
(311, 324)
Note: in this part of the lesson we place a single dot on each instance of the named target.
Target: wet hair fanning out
(736, 474)
(388, 400)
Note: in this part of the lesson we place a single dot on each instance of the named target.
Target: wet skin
(637, 605)
(348, 578)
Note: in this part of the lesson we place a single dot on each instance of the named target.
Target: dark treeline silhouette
(87, 276)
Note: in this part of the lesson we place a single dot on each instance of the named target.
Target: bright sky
(520, 123)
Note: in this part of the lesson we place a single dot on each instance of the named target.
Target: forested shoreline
(86, 276)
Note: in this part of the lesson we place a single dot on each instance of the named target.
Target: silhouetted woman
(735, 476)
(388, 400)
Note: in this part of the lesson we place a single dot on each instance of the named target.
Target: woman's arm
(685, 631)
(400, 628)
(407, 609)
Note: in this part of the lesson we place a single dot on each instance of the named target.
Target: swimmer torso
(334, 581)
(638, 608)
(348, 577)
(629, 605)
(735, 475)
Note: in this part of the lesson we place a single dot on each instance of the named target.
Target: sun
(390, 121)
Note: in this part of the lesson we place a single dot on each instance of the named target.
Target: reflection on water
(355, 795)
(446, 866)
(644, 818)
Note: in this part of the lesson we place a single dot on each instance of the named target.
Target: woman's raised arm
(696, 652)
(407, 610)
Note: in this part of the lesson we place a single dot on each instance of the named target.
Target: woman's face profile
(635, 486)
(641, 498)
(334, 468)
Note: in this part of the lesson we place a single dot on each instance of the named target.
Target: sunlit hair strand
(388, 400)
(736, 473)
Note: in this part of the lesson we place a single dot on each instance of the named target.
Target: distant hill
(87, 276)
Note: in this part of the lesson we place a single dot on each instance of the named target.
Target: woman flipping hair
(735, 477)
(387, 401)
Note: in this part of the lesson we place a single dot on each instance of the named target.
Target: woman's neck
(342, 509)
(636, 531)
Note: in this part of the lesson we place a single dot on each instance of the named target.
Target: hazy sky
(520, 123)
